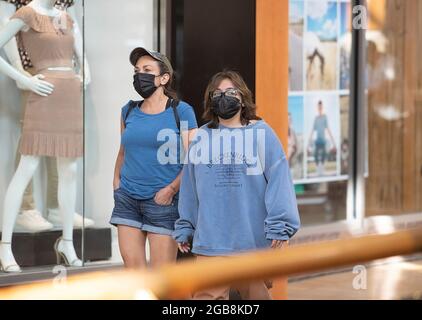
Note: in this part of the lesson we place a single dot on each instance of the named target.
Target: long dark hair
(248, 112)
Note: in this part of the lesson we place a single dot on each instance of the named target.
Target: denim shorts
(145, 215)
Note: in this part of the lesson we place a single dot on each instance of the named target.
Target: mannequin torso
(48, 8)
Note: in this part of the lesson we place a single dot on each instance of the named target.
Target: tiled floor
(395, 278)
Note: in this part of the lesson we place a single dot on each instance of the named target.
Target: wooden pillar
(272, 64)
(377, 13)
(410, 59)
(272, 72)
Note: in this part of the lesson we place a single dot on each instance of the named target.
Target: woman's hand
(37, 85)
(184, 247)
(278, 244)
(165, 196)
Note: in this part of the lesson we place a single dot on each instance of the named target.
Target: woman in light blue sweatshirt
(236, 192)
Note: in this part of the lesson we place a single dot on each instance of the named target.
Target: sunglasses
(231, 92)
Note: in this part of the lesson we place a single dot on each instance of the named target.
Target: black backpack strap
(174, 103)
(170, 103)
(132, 105)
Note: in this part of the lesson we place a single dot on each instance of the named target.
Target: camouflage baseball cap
(140, 52)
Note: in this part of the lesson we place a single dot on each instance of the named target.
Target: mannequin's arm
(35, 83)
(78, 48)
(11, 48)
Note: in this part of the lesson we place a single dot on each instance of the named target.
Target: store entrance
(199, 50)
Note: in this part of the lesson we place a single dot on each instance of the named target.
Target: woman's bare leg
(132, 247)
(163, 249)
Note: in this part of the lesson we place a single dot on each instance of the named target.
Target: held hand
(165, 196)
(184, 247)
(278, 244)
(37, 85)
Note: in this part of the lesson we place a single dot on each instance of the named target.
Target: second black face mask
(144, 84)
(226, 107)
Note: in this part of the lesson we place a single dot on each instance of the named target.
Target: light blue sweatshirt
(236, 194)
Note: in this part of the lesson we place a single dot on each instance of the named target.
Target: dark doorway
(207, 37)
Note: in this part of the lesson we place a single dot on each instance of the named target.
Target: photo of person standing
(318, 145)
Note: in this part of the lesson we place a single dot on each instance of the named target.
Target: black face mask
(144, 84)
(225, 107)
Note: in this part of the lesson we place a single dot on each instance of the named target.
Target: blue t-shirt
(320, 125)
(153, 149)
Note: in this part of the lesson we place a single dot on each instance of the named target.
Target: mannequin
(31, 218)
(66, 163)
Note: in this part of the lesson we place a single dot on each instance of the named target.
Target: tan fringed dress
(52, 125)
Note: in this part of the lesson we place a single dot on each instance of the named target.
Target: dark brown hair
(169, 89)
(248, 112)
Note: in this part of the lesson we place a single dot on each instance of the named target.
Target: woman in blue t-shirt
(147, 172)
